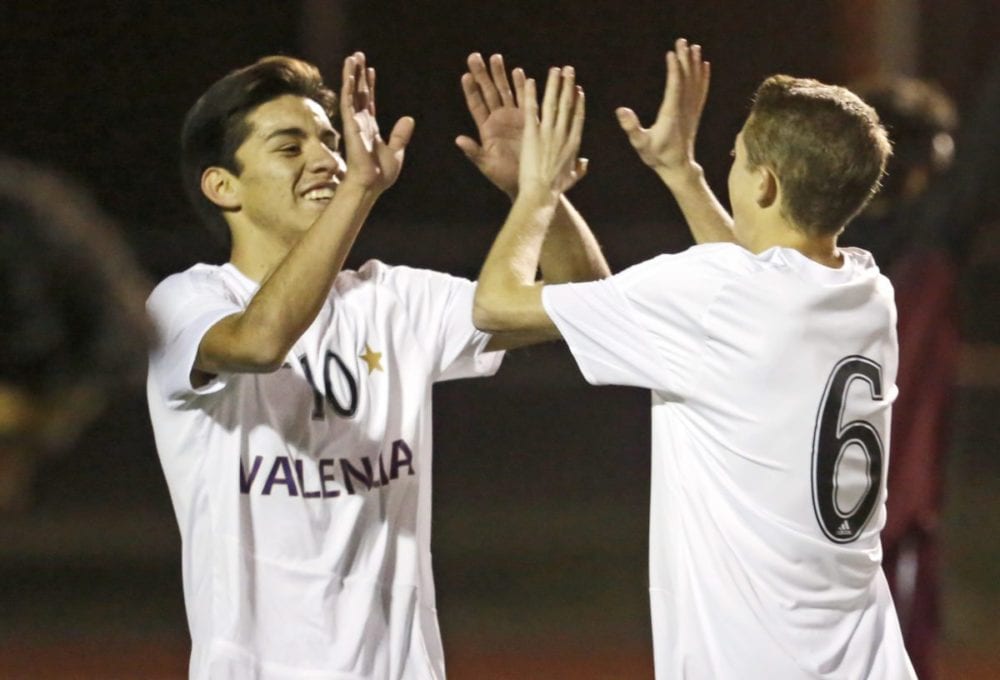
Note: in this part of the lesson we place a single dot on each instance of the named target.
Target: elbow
(487, 315)
(263, 354)
(267, 362)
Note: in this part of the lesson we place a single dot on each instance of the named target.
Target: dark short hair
(71, 298)
(216, 125)
(826, 146)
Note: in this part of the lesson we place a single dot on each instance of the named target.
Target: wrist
(686, 173)
(357, 190)
(537, 192)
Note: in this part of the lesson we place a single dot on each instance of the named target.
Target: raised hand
(551, 144)
(371, 161)
(495, 109)
(668, 145)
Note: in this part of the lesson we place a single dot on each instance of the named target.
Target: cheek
(734, 188)
(268, 184)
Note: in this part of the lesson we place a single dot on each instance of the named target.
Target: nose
(326, 161)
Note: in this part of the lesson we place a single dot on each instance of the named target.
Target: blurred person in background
(72, 324)
(917, 251)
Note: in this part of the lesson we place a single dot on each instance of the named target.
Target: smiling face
(290, 166)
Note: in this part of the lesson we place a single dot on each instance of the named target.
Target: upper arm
(514, 310)
(185, 308)
(643, 327)
(233, 346)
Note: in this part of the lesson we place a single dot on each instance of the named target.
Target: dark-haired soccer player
(291, 400)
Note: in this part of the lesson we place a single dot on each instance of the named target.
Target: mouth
(321, 195)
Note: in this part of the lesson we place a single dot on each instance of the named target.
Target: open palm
(499, 120)
(370, 160)
(669, 143)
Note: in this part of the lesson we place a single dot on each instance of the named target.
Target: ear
(767, 187)
(221, 187)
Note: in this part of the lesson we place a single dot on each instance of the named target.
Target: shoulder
(197, 277)
(864, 266)
(396, 277)
(198, 282)
(708, 262)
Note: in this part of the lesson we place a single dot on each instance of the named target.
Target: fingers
(362, 93)
(469, 147)
(347, 89)
(552, 139)
(370, 73)
(706, 80)
(690, 63)
(567, 94)
(683, 53)
(530, 108)
(629, 122)
(401, 133)
(477, 67)
(549, 99)
(474, 100)
(686, 87)
(579, 111)
(562, 105)
(500, 80)
(673, 87)
(519, 84)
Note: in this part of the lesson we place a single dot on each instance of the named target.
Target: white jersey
(304, 495)
(772, 380)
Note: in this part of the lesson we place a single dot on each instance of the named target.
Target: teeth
(320, 194)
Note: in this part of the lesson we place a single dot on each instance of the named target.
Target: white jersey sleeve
(644, 326)
(440, 309)
(184, 307)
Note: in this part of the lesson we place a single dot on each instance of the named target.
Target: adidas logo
(844, 529)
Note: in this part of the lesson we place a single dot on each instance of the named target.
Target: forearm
(570, 252)
(507, 296)
(292, 295)
(706, 217)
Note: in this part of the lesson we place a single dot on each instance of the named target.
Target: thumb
(469, 147)
(581, 168)
(401, 133)
(629, 122)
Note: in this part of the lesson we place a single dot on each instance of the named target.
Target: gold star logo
(373, 359)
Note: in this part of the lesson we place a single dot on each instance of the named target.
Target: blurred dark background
(541, 483)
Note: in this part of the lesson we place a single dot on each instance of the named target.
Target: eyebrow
(299, 133)
(289, 131)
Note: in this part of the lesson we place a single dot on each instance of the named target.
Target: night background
(541, 494)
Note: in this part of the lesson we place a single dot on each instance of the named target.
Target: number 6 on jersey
(834, 475)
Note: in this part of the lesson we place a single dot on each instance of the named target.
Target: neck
(821, 249)
(258, 253)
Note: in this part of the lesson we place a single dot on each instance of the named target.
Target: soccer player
(771, 356)
(72, 323)
(291, 400)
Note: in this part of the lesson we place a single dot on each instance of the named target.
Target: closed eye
(290, 149)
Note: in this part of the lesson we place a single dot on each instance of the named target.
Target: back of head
(71, 299)
(216, 126)
(826, 147)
